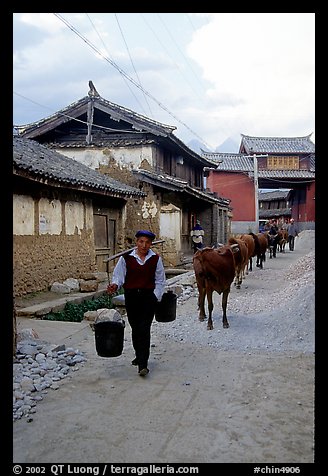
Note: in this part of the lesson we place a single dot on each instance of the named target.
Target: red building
(265, 163)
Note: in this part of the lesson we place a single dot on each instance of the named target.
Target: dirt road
(199, 404)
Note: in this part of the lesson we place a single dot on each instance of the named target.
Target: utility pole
(256, 192)
(256, 188)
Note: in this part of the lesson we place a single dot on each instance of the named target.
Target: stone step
(57, 305)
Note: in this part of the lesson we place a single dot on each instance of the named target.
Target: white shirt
(197, 235)
(119, 272)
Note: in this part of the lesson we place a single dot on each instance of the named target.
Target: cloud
(217, 75)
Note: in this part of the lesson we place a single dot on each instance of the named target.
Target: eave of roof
(275, 195)
(273, 212)
(101, 142)
(175, 184)
(139, 123)
(281, 174)
(232, 162)
(226, 162)
(77, 108)
(37, 162)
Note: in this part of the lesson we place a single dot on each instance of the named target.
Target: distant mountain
(196, 146)
(229, 145)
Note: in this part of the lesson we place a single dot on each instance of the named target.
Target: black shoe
(134, 361)
(143, 372)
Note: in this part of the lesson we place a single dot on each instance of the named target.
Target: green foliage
(75, 312)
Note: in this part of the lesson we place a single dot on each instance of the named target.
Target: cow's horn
(220, 244)
(234, 245)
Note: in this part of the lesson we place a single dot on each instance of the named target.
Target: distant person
(292, 233)
(267, 226)
(197, 234)
(273, 228)
(142, 275)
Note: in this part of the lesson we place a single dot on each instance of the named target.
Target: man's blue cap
(146, 233)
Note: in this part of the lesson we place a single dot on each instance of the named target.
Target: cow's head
(234, 248)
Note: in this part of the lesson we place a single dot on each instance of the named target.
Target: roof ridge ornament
(93, 91)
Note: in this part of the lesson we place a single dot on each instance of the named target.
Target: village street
(238, 395)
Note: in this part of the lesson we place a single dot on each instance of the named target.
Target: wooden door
(104, 233)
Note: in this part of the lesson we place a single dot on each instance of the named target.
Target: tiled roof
(274, 212)
(227, 161)
(102, 136)
(275, 195)
(312, 162)
(77, 108)
(101, 142)
(178, 185)
(44, 164)
(281, 174)
(277, 145)
(231, 162)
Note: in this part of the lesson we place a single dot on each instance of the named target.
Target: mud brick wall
(41, 260)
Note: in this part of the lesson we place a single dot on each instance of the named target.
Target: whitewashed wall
(124, 157)
(50, 217)
(23, 215)
(78, 216)
(74, 217)
(170, 224)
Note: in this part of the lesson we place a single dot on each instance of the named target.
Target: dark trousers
(291, 241)
(140, 310)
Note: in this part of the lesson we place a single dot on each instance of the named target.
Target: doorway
(104, 236)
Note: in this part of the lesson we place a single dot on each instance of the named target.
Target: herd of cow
(217, 268)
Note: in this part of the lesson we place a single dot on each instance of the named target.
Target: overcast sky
(212, 75)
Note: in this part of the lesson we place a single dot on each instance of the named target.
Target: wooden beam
(128, 251)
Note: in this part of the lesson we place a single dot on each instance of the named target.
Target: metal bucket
(109, 338)
(166, 309)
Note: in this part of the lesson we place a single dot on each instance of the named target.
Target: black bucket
(166, 309)
(109, 337)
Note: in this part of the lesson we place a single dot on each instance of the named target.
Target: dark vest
(140, 276)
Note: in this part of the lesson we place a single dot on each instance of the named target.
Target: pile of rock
(39, 366)
(87, 284)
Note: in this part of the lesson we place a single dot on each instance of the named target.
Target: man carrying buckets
(141, 273)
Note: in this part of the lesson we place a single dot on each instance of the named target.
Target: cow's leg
(224, 308)
(209, 294)
(238, 279)
(201, 303)
(251, 264)
(260, 258)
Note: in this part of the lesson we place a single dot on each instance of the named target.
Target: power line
(179, 49)
(107, 52)
(73, 118)
(168, 53)
(127, 48)
(124, 74)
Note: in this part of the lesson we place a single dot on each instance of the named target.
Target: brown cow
(261, 245)
(250, 243)
(215, 271)
(240, 259)
(283, 238)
